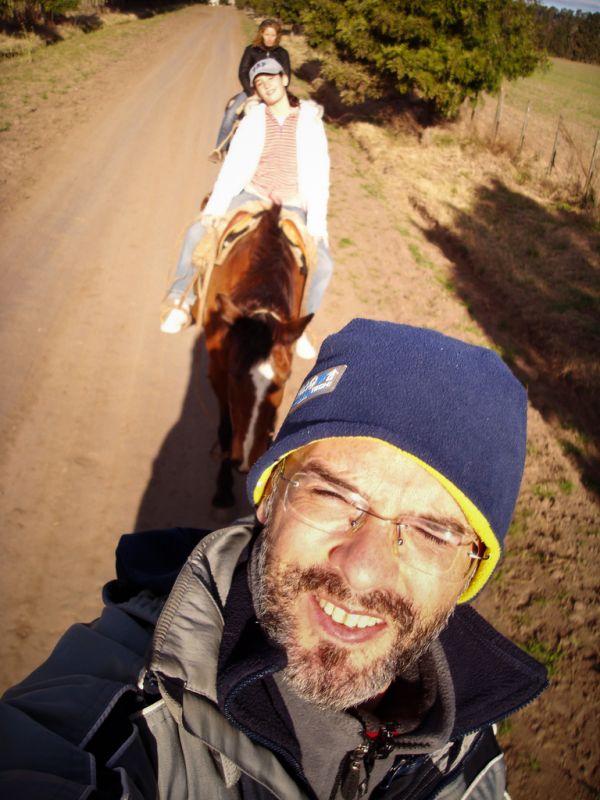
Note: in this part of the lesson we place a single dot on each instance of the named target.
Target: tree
(443, 50)
(569, 35)
(29, 13)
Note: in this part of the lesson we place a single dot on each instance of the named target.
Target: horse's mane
(268, 281)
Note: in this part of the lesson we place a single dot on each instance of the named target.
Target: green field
(569, 88)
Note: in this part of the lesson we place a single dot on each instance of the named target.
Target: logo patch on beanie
(322, 383)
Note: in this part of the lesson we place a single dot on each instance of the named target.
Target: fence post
(523, 129)
(498, 112)
(555, 146)
(590, 174)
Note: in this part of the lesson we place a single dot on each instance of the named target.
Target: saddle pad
(241, 221)
(301, 243)
(246, 218)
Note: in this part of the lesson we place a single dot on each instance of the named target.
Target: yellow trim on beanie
(477, 521)
(473, 515)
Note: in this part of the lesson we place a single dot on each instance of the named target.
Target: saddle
(215, 246)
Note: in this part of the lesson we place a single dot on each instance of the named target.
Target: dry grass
(568, 90)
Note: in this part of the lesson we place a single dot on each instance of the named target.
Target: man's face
(270, 88)
(345, 605)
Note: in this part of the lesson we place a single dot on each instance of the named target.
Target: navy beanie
(455, 408)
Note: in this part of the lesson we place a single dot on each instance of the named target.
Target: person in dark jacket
(266, 44)
(324, 650)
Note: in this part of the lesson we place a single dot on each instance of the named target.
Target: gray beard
(323, 675)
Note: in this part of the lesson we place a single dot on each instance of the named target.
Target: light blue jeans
(229, 116)
(184, 273)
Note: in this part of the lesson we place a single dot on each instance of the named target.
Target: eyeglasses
(424, 544)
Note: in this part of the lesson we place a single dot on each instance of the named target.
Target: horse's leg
(223, 497)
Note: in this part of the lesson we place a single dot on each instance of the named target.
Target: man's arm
(62, 725)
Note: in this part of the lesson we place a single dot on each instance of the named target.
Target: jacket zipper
(352, 787)
(252, 735)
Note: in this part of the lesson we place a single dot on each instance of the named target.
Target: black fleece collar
(492, 677)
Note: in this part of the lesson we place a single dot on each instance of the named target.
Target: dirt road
(93, 394)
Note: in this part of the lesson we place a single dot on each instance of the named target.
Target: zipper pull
(352, 786)
(148, 683)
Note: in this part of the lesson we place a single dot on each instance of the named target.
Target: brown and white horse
(251, 320)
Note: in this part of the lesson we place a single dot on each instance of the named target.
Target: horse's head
(260, 359)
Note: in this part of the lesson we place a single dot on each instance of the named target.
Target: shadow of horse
(184, 472)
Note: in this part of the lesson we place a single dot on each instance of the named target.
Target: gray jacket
(101, 719)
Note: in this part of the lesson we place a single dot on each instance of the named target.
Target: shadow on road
(184, 472)
(531, 278)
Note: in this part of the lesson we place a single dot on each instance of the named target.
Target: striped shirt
(277, 169)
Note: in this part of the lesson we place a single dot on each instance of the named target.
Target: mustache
(377, 603)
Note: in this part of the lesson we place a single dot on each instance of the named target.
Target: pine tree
(443, 50)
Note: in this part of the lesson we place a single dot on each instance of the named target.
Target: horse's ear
(292, 330)
(227, 309)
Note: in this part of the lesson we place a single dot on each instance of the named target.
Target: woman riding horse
(265, 45)
(279, 153)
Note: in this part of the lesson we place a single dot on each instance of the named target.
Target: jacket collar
(207, 640)
(492, 677)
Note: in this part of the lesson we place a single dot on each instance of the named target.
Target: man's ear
(286, 80)
(261, 511)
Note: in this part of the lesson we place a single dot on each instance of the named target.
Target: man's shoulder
(152, 560)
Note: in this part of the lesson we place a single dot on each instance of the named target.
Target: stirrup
(216, 155)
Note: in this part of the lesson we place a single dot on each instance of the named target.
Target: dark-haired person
(325, 650)
(266, 44)
(279, 153)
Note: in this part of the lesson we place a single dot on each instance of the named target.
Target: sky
(574, 5)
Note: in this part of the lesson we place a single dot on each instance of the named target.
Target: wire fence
(561, 149)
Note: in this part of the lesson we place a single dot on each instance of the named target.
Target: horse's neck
(269, 277)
